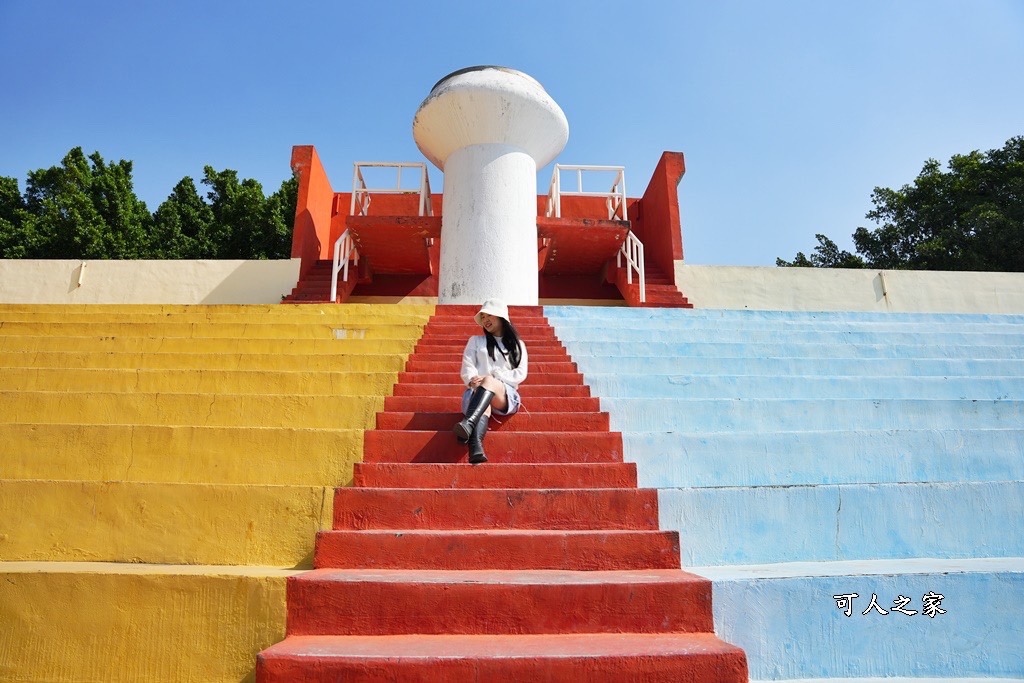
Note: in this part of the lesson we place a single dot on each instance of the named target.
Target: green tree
(84, 208)
(826, 255)
(13, 240)
(182, 225)
(969, 217)
(87, 208)
(246, 224)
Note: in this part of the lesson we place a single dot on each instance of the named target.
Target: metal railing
(345, 248)
(615, 198)
(344, 251)
(633, 250)
(361, 193)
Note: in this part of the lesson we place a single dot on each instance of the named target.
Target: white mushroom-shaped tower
(489, 129)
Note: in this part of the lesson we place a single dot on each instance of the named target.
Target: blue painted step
(727, 386)
(671, 459)
(803, 454)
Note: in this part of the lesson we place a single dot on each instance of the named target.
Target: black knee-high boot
(478, 403)
(476, 445)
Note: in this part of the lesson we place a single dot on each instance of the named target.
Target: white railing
(361, 193)
(633, 250)
(614, 199)
(344, 251)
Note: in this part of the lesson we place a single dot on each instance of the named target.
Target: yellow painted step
(160, 523)
(116, 344)
(139, 623)
(242, 330)
(187, 454)
(216, 312)
(198, 381)
(357, 362)
(212, 410)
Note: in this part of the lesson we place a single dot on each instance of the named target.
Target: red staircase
(660, 290)
(314, 286)
(545, 564)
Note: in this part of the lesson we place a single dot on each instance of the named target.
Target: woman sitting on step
(493, 365)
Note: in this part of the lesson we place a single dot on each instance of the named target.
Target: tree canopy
(969, 217)
(86, 208)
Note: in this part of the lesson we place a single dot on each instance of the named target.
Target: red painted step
(502, 447)
(572, 378)
(397, 601)
(530, 475)
(562, 423)
(514, 549)
(525, 390)
(549, 658)
(438, 571)
(452, 367)
(449, 354)
(452, 402)
(373, 508)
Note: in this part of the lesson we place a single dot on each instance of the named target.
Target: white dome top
(489, 104)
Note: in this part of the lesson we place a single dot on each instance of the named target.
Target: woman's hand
(476, 381)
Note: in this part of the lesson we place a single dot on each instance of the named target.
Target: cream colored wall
(141, 282)
(829, 289)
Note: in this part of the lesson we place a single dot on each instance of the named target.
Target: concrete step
(180, 453)
(535, 356)
(197, 381)
(550, 658)
(730, 386)
(161, 523)
(498, 549)
(524, 421)
(618, 366)
(608, 316)
(854, 456)
(580, 350)
(115, 344)
(419, 377)
(495, 476)
(453, 401)
(202, 330)
(395, 601)
(464, 328)
(131, 622)
(215, 312)
(845, 522)
(359, 509)
(453, 366)
(935, 337)
(526, 390)
(309, 362)
(772, 415)
(504, 446)
(208, 410)
(797, 619)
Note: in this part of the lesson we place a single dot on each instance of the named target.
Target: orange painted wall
(657, 222)
(312, 231)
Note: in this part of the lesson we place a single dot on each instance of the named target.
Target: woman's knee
(494, 385)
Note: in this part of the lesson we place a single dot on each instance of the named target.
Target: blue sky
(789, 113)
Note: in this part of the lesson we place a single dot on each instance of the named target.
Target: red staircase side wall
(312, 231)
(657, 222)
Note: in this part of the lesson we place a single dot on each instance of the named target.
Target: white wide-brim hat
(495, 307)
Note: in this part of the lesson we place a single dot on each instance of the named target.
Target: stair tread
(501, 646)
(502, 577)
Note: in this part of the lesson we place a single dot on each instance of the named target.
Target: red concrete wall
(657, 223)
(312, 231)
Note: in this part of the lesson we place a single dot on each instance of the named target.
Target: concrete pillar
(489, 129)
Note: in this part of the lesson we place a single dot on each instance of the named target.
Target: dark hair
(510, 337)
